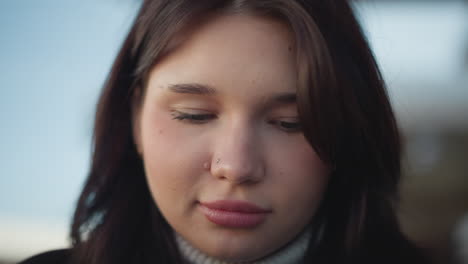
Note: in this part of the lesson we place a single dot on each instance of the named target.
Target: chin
(237, 252)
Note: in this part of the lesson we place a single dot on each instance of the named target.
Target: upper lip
(235, 206)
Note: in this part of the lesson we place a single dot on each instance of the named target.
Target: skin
(244, 64)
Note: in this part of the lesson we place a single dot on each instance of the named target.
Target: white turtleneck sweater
(293, 253)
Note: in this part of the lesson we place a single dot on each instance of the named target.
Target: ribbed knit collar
(291, 254)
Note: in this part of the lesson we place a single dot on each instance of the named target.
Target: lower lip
(233, 219)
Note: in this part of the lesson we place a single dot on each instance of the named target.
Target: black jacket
(61, 256)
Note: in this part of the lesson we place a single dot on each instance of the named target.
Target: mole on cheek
(160, 131)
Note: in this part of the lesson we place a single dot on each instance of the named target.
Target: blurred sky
(55, 55)
(422, 48)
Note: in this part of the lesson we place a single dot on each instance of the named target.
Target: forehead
(232, 49)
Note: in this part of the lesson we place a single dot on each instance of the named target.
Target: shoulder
(60, 256)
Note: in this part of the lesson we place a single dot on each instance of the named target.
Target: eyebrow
(285, 98)
(192, 88)
(202, 89)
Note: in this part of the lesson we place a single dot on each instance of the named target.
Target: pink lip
(234, 213)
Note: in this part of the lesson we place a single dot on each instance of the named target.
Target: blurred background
(54, 58)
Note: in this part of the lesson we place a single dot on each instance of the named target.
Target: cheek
(172, 160)
(302, 178)
(296, 160)
(168, 143)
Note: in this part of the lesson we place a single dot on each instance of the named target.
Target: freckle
(289, 48)
(160, 131)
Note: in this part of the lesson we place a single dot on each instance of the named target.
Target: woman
(242, 131)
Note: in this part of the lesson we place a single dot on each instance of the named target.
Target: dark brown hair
(345, 114)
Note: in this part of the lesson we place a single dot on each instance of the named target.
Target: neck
(293, 253)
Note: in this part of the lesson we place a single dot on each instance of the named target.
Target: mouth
(234, 213)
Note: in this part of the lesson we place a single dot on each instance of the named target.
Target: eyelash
(192, 118)
(289, 127)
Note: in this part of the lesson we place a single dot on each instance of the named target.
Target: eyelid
(287, 124)
(286, 118)
(191, 117)
(191, 110)
(192, 102)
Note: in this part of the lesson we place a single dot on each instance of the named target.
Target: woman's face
(218, 130)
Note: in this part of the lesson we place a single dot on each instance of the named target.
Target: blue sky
(55, 55)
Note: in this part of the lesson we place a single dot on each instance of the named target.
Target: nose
(237, 156)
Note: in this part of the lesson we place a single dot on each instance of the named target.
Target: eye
(287, 126)
(195, 118)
